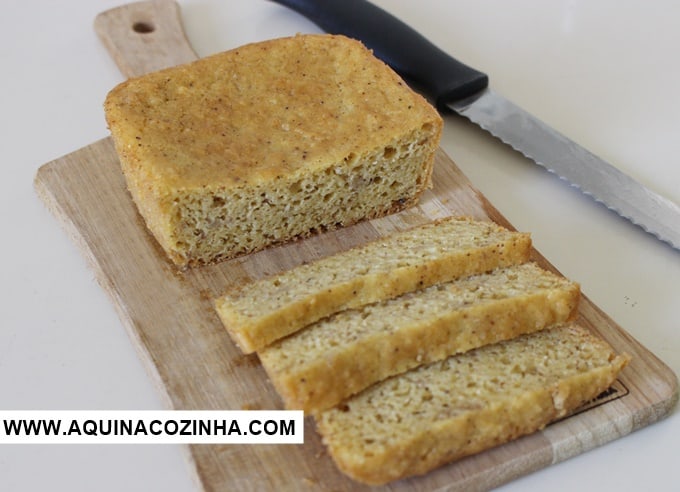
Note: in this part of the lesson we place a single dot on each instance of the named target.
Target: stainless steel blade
(602, 181)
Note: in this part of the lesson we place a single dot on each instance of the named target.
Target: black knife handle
(411, 55)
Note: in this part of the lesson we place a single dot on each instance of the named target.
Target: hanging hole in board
(143, 27)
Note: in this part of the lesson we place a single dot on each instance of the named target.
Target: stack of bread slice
(422, 347)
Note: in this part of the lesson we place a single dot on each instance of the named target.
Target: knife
(455, 86)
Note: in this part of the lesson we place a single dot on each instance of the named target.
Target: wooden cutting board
(170, 318)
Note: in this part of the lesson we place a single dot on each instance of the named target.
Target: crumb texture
(337, 356)
(268, 142)
(411, 423)
(258, 313)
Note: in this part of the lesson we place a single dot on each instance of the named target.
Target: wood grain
(171, 321)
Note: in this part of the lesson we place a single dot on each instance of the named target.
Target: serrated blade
(539, 142)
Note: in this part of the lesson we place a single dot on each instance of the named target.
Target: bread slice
(338, 356)
(258, 313)
(414, 422)
(269, 142)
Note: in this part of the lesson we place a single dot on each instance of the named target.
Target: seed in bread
(269, 142)
(258, 313)
(343, 354)
(411, 423)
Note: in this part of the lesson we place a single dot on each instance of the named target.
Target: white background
(605, 73)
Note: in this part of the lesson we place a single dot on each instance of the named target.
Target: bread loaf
(414, 422)
(343, 354)
(269, 142)
(258, 313)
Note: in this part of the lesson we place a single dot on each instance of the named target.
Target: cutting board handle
(144, 36)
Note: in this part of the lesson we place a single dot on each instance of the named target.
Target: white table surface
(605, 73)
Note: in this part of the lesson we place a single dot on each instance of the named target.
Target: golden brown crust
(259, 121)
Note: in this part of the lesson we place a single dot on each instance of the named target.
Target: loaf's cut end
(269, 142)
